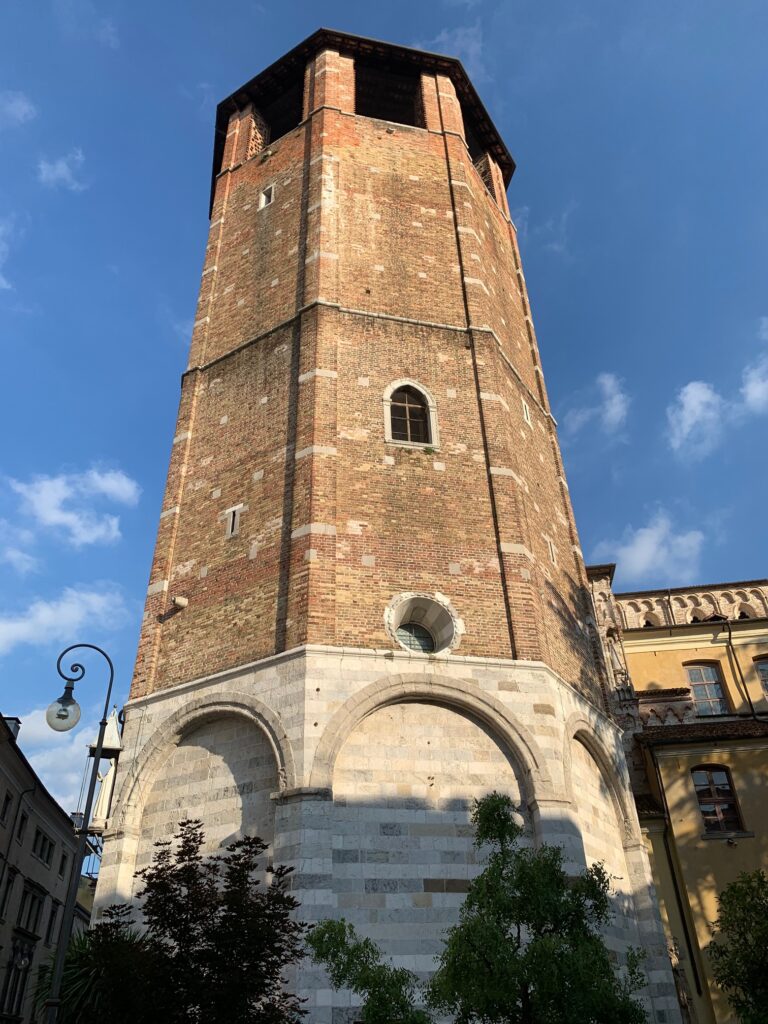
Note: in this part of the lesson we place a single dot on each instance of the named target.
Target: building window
(232, 521)
(7, 893)
(21, 828)
(15, 981)
(30, 909)
(415, 637)
(7, 804)
(419, 623)
(717, 801)
(267, 196)
(552, 551)
(410, 415)
(63, 861)
(762, 672)
(43, 847)
(527, 413)
(51, 926)
(708, 695)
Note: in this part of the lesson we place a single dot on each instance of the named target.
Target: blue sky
(641, 199)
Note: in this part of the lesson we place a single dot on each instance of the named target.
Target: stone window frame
(708, 701)
(267, 196)
(432, 611)
(434, 433)
(231, 517)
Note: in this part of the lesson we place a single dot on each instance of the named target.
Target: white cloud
(554, 234)
(65, 502)
(696, 419)
(79, 19)
(106, 34)
(58, 758)
(44, 622)
(520, 218)
(63, 171)
(610, 411)
(13, 543)
(19, 560)
(6, 232)
(655, 552)
(464, 42)
(15, 109)
(700, 416)
(754, 388)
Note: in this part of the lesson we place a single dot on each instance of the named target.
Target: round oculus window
(415, 637)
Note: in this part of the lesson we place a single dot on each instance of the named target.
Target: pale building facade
(368, 604)
(690, 677)
(37, 847)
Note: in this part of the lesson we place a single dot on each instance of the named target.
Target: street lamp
(62, 715)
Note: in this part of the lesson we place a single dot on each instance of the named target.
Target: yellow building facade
(689, 684)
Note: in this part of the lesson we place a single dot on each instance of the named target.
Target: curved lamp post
(62, 715)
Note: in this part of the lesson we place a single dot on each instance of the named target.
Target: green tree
(527, 948)
(739, 950)
(214, 946)
(390, 993)
(96, 959)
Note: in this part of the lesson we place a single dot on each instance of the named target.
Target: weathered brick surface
(382, 256)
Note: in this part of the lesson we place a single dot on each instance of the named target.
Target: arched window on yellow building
(717, 800)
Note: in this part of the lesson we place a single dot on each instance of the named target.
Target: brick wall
(382, 255)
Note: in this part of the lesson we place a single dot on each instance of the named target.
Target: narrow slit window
(232, 521)
(552, 552)
(409, 416)
(527, 413)
(716, 798)
(266, 197)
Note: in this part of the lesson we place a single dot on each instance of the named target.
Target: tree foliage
(390, 992)
(739, 950)
(527, 948)
(214, 946)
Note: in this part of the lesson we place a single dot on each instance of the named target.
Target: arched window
(717, 800)
(707, 687)
(410, 415)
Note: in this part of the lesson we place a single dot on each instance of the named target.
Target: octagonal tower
(367, 603)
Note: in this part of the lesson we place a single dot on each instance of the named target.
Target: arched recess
(463, 695)
(406, 768)
(191, 716)
(580, 729)
(608, 831)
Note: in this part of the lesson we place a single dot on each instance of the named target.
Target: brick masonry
(348, 254)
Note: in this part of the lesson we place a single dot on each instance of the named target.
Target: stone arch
(579, 728)
(607, 830)
(195, 713)
(462, 695)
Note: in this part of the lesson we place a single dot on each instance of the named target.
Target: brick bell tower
(367, 604)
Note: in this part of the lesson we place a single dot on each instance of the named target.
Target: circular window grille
(423, 623)
(415, 637)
